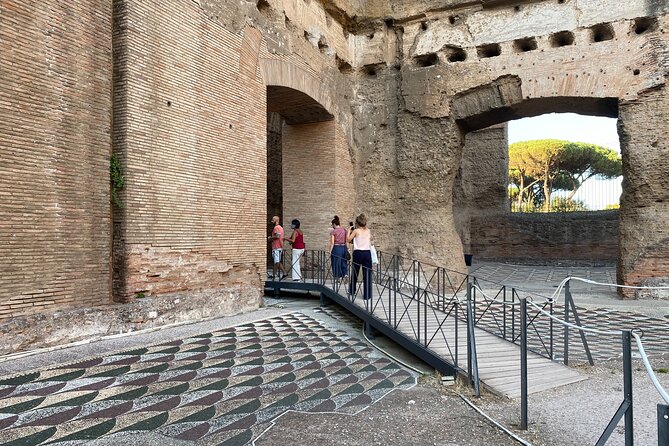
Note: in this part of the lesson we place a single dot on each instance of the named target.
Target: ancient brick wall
(586, 238)
(316, 168)
(55, 114)
(193, 144)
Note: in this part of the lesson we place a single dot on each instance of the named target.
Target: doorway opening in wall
(307, 159)
(542, 189)
(564, 162)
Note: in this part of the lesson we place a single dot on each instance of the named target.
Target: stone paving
(222, 387)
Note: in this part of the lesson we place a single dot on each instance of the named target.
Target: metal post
(523, 364)
(417, 294)
(662, 425)
(584, 341)
(566, 328)
(395, 300)
(504, 310)
(625, 408)
(322, 299)
(627, 386)
(457, 316)
(469, 315)
(513, 315)
(550, 322)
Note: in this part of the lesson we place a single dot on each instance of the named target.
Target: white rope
(420, 372)
(498, 425)
(569, 324)
(580, 279)
(649, 368)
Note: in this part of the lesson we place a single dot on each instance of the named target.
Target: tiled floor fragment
(220, 388)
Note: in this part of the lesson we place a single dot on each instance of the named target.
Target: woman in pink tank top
(361, 237)
(338, 249)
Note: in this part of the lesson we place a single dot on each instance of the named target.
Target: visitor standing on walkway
(338, 249)
(361, 237)
(277, 247)
(297, 240)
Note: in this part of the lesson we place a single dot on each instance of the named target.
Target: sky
(596, 194)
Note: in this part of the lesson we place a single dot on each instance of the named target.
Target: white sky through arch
(596, 194)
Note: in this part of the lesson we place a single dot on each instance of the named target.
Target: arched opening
(491, 228)
(309, 169)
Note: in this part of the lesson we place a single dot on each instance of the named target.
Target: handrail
(434, 290)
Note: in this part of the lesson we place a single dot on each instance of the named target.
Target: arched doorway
(309, 168)
(562, 230)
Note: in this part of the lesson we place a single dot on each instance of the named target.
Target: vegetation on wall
(537, 168)
(116, 179)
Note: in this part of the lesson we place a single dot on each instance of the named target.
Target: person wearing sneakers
(361, 237)
(277, 248)
(297, 240)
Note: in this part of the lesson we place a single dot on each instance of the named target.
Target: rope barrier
(577, 327)
(649, 368)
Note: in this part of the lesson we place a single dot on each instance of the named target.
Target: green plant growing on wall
(117, 180)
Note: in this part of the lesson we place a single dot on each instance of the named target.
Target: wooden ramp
(498, 360)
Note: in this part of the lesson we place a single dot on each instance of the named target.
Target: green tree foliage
(539, 167)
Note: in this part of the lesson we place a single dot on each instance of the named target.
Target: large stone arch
(642, 236)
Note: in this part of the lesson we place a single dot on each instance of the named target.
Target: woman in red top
(297, 240)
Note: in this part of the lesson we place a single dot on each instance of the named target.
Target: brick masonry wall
(55, 114)
(309, 180)
(577, 237)
(193, 144)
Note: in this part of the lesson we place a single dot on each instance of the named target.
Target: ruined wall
(583, 238)
(55, 115)
(481, 184)
(193, 144)
(481, 64)
(644, 204)
(403, 83)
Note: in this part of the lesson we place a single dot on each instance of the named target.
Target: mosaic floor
(220, 388)
(602, 347)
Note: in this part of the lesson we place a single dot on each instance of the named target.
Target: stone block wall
(55, 144)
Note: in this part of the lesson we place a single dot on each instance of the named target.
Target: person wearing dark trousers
(338, 249)
(361, 237)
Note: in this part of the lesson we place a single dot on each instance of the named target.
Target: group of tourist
(357, 234)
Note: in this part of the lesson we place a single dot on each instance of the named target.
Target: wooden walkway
(498, 360)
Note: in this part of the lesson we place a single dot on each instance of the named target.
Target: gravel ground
(423, 415)
(577, 414)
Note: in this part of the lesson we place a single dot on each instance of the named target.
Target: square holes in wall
(525, 45)
(426, 60)
(563, 38)
(490, 50)
(602, 32)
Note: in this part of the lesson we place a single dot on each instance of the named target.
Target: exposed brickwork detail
(55, 114)
(185, 113)
(315, 162)
(194, 152)
(578, 238)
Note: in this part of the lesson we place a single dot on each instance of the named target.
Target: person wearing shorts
(277, 248)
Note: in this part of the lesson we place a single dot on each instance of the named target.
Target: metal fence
(593, 195)
(425, 305)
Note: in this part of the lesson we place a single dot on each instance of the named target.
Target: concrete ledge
(61, 327)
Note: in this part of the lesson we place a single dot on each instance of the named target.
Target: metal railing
(426, 302)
